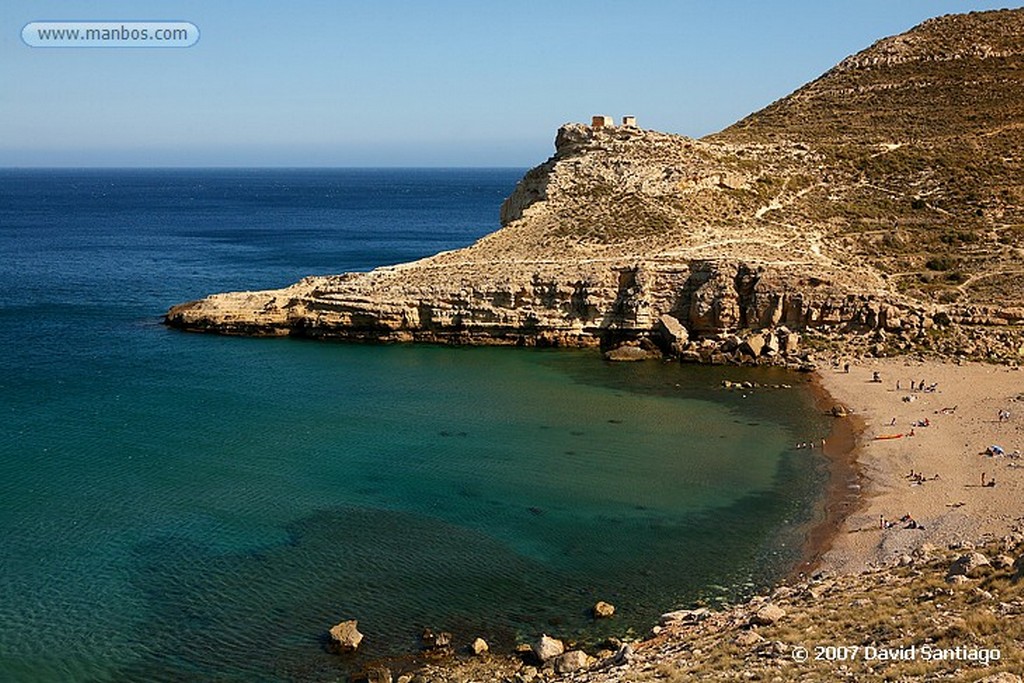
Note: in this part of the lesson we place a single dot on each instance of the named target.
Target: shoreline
(844, 489)
(948, 499)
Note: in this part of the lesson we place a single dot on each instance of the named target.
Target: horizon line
(253, 168)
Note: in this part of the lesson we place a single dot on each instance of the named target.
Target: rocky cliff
(883, 200)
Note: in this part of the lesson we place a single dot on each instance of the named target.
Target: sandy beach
(946, 431)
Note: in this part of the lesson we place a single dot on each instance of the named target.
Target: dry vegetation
(911, 605)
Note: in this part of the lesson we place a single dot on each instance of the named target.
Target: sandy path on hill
(955, 507)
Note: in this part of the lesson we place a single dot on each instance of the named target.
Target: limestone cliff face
(618, 228)
(765, 224)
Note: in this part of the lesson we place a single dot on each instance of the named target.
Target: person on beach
(846, 368)
(892, 422)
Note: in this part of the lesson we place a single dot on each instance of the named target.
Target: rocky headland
(881, 205)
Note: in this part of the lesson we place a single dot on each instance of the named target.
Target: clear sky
(411, 82)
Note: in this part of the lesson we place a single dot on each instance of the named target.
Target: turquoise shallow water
(178, 506)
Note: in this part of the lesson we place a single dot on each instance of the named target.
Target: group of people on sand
(906, 520)
(919, 386)
(810, 444)
(986, 482)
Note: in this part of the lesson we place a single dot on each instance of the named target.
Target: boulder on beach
(753, 345)
(571, 661)
(435, 641)
(547, 648)
(768, 615)
(345, 637)
(672, 333)
(684, 616)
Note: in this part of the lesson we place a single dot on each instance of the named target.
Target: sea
(179, 506)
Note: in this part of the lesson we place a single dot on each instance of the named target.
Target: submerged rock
(628, 353)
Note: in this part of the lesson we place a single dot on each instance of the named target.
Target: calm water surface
(177, 506)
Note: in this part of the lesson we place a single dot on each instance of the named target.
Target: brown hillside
(924, 133)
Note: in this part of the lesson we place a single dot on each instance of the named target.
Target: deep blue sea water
(188, 507)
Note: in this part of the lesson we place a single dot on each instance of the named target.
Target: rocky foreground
(949, 614)
(882, 204)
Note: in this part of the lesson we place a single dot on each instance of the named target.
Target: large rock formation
(884, 197)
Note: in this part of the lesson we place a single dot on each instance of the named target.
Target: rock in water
(435, 641)
(479, 647)
(345, 637)
(603, 610)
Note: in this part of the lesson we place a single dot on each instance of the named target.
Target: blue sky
(413, 82)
